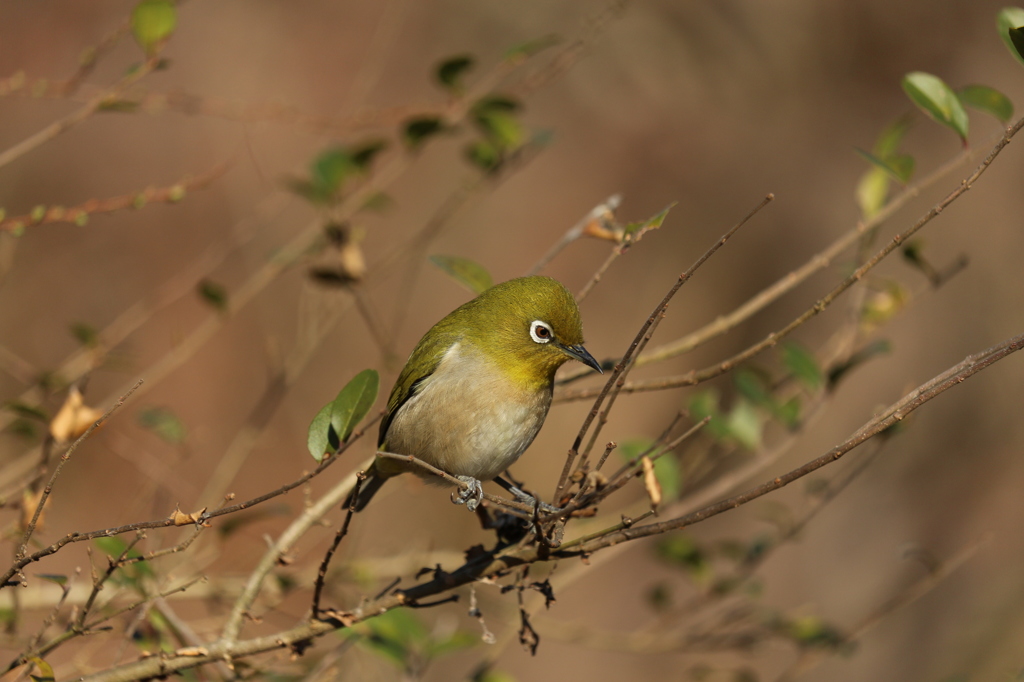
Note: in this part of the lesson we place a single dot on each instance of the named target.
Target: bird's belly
(477, 428)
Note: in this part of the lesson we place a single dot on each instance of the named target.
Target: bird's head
(529, 326)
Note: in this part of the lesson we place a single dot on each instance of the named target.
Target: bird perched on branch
(477, 387)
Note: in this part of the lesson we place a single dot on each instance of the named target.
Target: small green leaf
(880, 347)
(937, 100)
(27, 411)
(213, 294)
(669, 476)
(353, 402)
(378, 201)
(61, 580)
(85, 334)
(802, 364)
(484, 155)
(987, 99)
(1010, 18)
(119, 106)
(164, 423)
(888, 143)
(681, 550)
(1017, 38)
(363, 154)
(113, 547)
(898, 166)
(745, 424)
(705, 404)
(872, 191)
(331, 168)
(753, 384)
(45, 671)
(637, 230)
(466, 272)
(153, 22)
(450, 71)
(417, 131)
(789, 413)
(321, 438)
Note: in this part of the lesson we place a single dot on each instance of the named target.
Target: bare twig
(30, 529)
(91, 107)
(615, 381)
(600, 214)
(697, 376)
(75, 214)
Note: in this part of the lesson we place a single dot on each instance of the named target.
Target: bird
(477, 387)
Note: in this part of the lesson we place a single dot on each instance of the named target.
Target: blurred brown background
(709, 104)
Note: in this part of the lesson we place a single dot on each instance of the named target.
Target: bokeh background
(708, 104)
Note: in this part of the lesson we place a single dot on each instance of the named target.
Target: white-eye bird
(477, 387)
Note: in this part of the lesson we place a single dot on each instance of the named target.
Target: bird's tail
(367, 490)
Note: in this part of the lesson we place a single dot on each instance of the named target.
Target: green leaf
(637, 230)
(61, 580)
(888, 142)
(495, 115)
(378, 201)
(898, 166)
(989, 100)
(744, 424)
(417, 131)
(1010, 18)
(872, 191)
(23, 409)
(334, 423)
(331, 168)
(789, 413)
(468, 273)
(705, 404)
(113, 547)
(681, 550)
(873, 349)
(450, 72)
(353, 402)
(1017, 38)
(213, 294)
(753, 384)
(363, 154)
(484, 155)
(153, 22)
(164, 423)
(85, 334)
(669, 476)
(321, 438)
(937, 100)
(802, 364)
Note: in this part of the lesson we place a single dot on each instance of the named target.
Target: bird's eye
(540, 331)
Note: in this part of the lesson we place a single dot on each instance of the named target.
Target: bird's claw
(471, 495)
(529, 499)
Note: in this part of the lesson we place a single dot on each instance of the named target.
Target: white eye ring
(541, 331)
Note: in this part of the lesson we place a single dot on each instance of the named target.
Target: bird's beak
(580, 353)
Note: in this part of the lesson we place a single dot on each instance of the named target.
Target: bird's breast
(469, 418)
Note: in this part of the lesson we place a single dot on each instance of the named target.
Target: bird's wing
(421, 365)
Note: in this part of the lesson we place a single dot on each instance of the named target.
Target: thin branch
(600, 214)
(890, 416)
(791, 280)
(697, 376)
(76, 214)
(91, 107)
(30, 529)
(623, 366)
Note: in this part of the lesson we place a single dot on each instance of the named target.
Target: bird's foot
(529, 499)
(471, 495)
